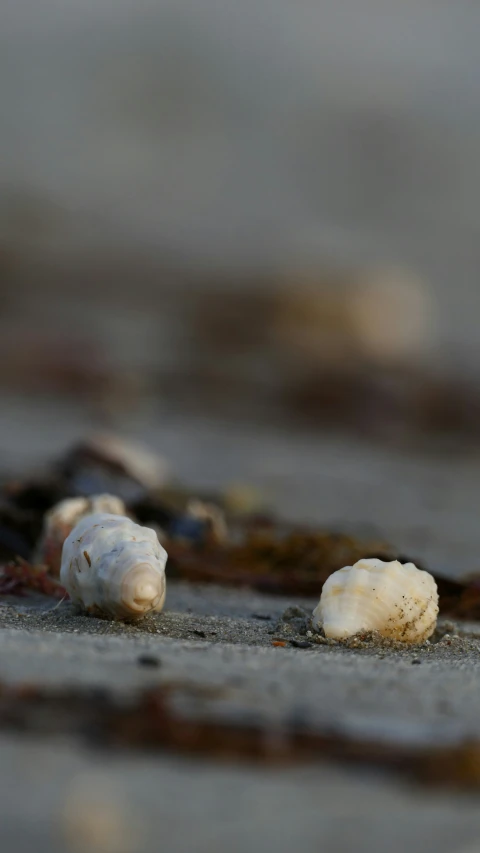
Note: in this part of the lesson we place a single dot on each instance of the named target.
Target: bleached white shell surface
(397, 600)
(114, 567)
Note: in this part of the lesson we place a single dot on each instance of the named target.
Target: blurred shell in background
(106, 462)
(382, 316)
(62, 518)
(392, 315)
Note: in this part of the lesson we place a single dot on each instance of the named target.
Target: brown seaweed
(297, 562)
(16, 578)
(152, 721)
(258, 551)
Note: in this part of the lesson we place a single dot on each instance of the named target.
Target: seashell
(114, 567)
(108, 463)
(212, 516)
(380, 315)
(398, 601)
(61, 520)
(192, 519)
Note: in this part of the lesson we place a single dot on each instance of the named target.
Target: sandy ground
(60, 795)
(213, 637)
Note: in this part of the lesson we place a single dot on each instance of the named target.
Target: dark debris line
(258, 550)
(152, 722)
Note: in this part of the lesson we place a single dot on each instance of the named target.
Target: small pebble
(265, 616)
(148, 660)
(301, 644)
(199, 633)
(416, 660)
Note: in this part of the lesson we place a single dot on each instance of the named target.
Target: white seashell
(399, 601)
(144, 466)
(212, 515)
(114, 567)
(61, 520)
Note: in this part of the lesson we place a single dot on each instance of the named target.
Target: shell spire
(114, 567)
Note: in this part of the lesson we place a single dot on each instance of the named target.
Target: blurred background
(247, 233)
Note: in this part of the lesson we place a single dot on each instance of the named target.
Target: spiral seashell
(108, 463)
(62, 518)
(114, 567)
(398, 601)
(213, 517)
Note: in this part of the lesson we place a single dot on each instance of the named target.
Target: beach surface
(61, 790)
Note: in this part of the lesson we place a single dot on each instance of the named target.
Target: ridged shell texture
(114, 567)
(398, 601)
